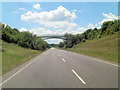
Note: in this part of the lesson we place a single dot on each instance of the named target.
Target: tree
(107, 28)
(61, 44)
(23, 39)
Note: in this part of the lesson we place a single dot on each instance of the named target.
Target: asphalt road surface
(62, 69)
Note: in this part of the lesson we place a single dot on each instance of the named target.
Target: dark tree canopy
(107, 28)
(23, 39)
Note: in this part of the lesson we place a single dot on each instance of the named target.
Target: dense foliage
(53, 45)
(107, 28)
(23, 39)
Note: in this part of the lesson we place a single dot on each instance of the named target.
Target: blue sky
(51, 18)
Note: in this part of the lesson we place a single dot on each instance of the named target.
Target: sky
(57, 18)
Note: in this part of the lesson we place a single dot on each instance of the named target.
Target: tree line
(107, 28)
(23, 39)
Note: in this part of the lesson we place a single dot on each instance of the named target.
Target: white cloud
(43, 31)
(59, 14)
(21, 9)
(81, 29)
(108, 17)
(37, 6)
(58, 18)
(23, 30)
(75, 10)
(60, 24)
(91, 26)
(4, 24)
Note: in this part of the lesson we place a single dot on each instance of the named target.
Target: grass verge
(14, 55)
(104, 48)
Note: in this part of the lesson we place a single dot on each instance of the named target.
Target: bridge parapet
(51, 37)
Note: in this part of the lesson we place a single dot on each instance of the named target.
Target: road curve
(62, 69)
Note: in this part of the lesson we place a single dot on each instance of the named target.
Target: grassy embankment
(104, 48)
(14, 55)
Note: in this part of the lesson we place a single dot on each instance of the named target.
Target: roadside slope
(104, 48)
(14, 55)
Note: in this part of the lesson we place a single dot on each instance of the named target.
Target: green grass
(104, 48)
(14, 55)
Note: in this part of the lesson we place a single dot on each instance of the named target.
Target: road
(62, 69)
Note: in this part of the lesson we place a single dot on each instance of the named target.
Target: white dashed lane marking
(79, 77)
(63, 60)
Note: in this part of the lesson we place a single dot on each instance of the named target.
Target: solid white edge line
(105, 62)
(63, 60)
(79, 77)
(18, 71)
(117, 65)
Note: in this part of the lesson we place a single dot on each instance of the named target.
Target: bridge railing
(50, 37)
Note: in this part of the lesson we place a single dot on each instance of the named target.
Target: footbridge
(53, 36)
